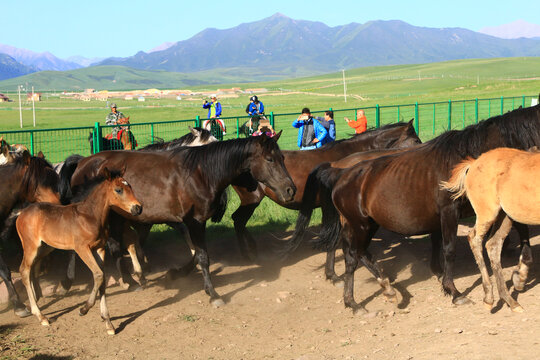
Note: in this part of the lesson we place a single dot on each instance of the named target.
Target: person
(360, 124)
(214, 112)
(310, 131)
(329, 124)
(112, 119)
(255, 109)
(264, 128)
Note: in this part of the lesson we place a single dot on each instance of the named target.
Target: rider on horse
(115, 118)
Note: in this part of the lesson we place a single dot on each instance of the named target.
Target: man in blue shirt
(329, 124)
(310, 131)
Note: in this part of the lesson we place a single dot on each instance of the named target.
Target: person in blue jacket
(255, 107)
(329, 124)
(214, 112)
(310, 131)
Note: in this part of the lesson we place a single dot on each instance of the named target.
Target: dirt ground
(285, 311)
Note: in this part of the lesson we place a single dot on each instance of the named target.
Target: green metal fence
(431, 119)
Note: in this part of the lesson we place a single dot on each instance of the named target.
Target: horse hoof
(22, 313)
(45, 322)
(488, 306)
(461, 300)
(111, 332)
(217, 303)
(518, 284)
(340, 284)
(82, 311)
(518, 309)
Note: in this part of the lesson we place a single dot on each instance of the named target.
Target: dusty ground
(285, 311)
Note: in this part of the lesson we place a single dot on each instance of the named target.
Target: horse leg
(374, 268)
(126, 281)
(188, 268)
(349, 246)
(246, 243)
(103, 302)
(129, 238)
(18, 306)
(494, 248)
(197, 232)
(436, 241)
(88, 258)
(476, 238)
(329, 270)
(65, 284)
(143, 230)
(449, 224)
(519, 276)
(26, 276)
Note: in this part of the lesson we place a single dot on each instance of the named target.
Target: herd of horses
(385, 177)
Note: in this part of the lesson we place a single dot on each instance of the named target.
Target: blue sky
(98, 28)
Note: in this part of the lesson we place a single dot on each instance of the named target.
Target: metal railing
(430, 119)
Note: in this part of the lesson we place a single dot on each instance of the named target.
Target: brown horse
(82, 227)
(8, 152)
(499, 188)
(27, 179)
(300, 163)
(400, 192)
(186, 184)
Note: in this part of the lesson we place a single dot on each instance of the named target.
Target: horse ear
(411, 122)
(40, 155)
(276, 137)
(123, 170)
(106, 173)
(26, 157)
(194, 131)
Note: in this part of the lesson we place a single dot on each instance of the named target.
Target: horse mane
(371, 132)
(181, 141)
(209, 158)
(518, 129)
(39, 173)
(81, 192)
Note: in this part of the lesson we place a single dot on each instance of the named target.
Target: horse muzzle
(136, 210)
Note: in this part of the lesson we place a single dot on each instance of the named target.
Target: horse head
(267, 166)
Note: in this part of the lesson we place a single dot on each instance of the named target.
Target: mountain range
(279, 47)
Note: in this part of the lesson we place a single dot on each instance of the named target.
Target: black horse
(401, 193)
(25, 180)
(189, 183)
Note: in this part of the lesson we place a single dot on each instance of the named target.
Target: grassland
(389, 85)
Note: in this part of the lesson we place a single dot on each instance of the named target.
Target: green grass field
(387, 86)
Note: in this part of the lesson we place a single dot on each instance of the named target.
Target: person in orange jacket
(360, 124)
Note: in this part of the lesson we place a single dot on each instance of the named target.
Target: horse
(125, 139)
(81, 226)
(185, 185)
(27, 179)
(123, 230)
(9, 152)
(401, 193)
(498, 186)
(300, 163)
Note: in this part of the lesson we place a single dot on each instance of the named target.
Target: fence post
(398, 113)
(433, 125)
(198, 120)
(449, 115)
(502, 105)
(416, 120)
(32, 143)
(272, 120)
(97, 138)
(476, 110)
(152, 132)
(237, 127)
(377, 116)
(523, 101)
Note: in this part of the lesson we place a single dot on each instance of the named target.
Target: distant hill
(10, 68)
(38, 61)
(513, 30)
(296, 47)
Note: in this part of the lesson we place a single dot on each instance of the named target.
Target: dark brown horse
(25, 180)
(300, 163)
(82, 227)
(185, 185)
(400, 192)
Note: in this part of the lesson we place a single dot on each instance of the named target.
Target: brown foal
(82, 227)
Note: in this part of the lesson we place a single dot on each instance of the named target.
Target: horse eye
(119, 190)
(269, 159)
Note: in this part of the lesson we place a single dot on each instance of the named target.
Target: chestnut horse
(186, 184)
(400, 192)
(499, 188)
(27, 179)
(300, 163)
(82, 227)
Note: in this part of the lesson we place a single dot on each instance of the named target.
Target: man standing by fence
(310, 131)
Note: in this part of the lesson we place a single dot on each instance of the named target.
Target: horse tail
(319, 184)
(70, 165)
(221, 207)
(456, 183)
